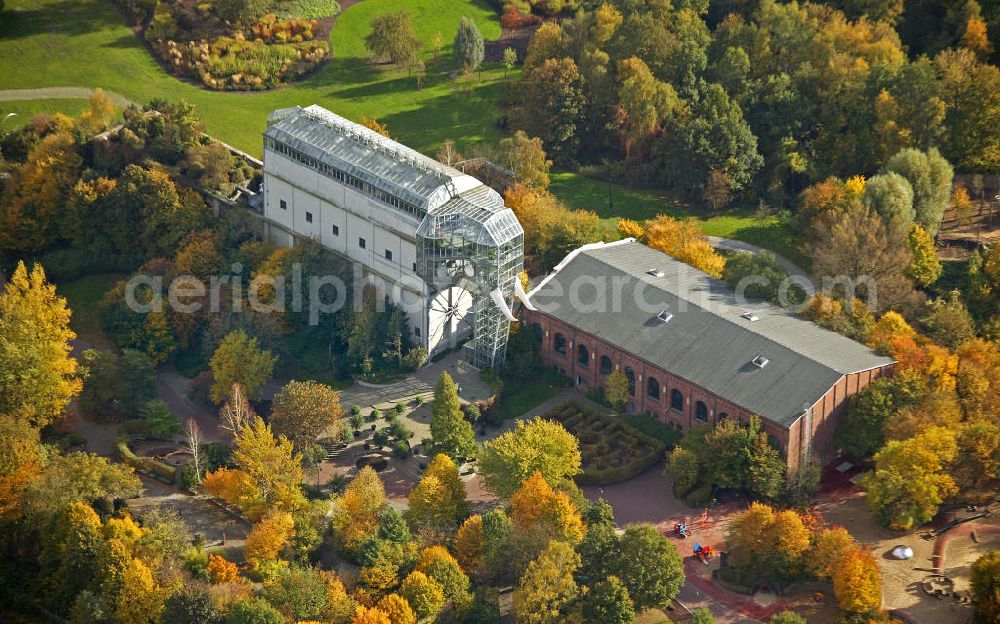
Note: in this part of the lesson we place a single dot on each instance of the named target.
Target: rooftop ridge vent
(375, 142)
(750, 316)
(760, 361)
(655, 272)
(665, 316)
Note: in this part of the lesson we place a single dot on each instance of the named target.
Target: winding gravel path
(735, 245)
(59, 93)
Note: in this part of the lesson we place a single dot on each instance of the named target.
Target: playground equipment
(681, 530)
(704, 553)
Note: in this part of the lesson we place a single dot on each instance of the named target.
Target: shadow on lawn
(66, 17)
(450, 116)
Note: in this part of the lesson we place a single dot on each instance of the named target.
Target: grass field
(61, 43)
(82, 295)
(579, 191)
(26, 108)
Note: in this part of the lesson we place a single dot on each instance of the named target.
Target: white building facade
(431, 239)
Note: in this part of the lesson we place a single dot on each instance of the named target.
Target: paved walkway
(730, 244)
(59, 93)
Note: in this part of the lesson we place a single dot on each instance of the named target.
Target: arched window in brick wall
(653, 388)
(536, 330)
(701, 412)
(676, 400)
(560, 344)
(583, 355)
(605, 365)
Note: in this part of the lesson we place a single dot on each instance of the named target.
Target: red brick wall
(826, 412)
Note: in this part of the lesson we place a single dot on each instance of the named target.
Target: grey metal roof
(707, 340)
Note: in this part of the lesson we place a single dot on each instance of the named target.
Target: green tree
(302, 410)
(860, 434)
(69, 553)
(554, 102)
(254, 611)
(925, 269)
(930, 177)
(609, 602)
(116, 388)
(38, 378)
(239, 360)
(891, 196)
(299, 593)
(985, 580)
(714, 137)
(948, 322)
(532, 446)
(159, 420)
(787, 617)
(547, 589)
(702, 615)
(685, 468)
(392, 39)
(191, 605)
(649, 567)
(452, 434)
(468, 48)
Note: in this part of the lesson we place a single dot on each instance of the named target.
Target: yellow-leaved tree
(536, 506)
(439, 500)
(857, 583)
(547, 587)
(469, 546)
(266, 539)
(356, 514)
(685, 241)
(38, 378)
(271, 468)
(910, 479)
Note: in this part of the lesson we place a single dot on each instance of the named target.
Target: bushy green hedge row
(161, 469)
(612, 449)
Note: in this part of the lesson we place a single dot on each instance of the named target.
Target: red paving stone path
(962, 530)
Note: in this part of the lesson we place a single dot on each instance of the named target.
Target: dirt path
(59, 93)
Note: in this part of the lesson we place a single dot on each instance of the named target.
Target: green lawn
(61, 43)
(82, 295)
(26, 108)
(580, 191)
(517, 400)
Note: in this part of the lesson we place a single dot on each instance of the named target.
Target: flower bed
(611, 449)
(192, 41)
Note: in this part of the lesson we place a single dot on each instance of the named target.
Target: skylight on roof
(760, 361)
(655, 272)
(750, 316)
(665, 316)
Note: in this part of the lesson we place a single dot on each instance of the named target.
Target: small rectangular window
(283, 205)
(309, 217)
(336, 230)
(361, 243)
(414, 267)
(416, 332)
(388, 255)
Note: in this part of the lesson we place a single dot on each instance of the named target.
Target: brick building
(693, 352)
